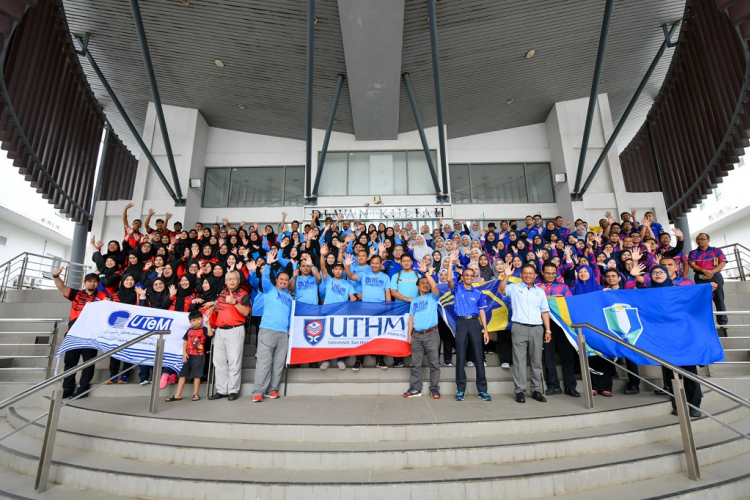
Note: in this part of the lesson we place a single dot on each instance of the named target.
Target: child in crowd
(193, 355)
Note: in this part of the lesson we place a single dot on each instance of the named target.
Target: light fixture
(195, 183)
(219, 63)
(186, 2)
(335, 120)
(601, 82)
(315, 20)
(560, 178)
(377, 200)
(241, 106)
(530, 54)
(510, 101)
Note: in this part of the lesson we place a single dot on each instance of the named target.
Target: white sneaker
(145, 382)
(469, 363)
(342, 365)
(485, 363)
(505, 365)
(324, 365)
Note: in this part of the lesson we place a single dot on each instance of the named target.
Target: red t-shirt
(196, 339)
(79, 299)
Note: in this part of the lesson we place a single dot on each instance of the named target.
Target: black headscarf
(118, 254)
(127, 295)
(158, 300)
(210, 294)
(183, 293)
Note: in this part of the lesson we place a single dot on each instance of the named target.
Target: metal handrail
(52, 337)
(15, 271)
(678, 390)
(737, 251)
(53, 415)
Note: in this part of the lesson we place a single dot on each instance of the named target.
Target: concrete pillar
(74, 277)
(682, 225)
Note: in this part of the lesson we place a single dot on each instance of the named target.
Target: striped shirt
(708, 258)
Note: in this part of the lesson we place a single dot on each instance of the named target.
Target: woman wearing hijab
(421, 249)
(109, 276)
(182, 300)
(113, 252)
(126, 294)
(485, 269)
(439, 246)
(156, 296)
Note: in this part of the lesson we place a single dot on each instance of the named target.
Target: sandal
(196, 397)
(172, 398)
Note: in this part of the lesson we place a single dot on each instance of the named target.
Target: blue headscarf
(588, 286)
(668, 282)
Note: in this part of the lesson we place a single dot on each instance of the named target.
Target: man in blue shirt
(423, 335)
(469, 305)
(305, 282)
(374, 286)
(530, 310)
(404, 289)
(273, 334)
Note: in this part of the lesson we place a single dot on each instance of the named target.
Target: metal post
(48, 443)
(155, 92)
(85, 52)
(331, 117)
(629, 108)
(77, 254)
(22, 275)
(688, 443)
(286, 378)
(310, 58)
(51, 354)
(418, 120)
(593, 95)
(738, 260)
(156, 375)
(210, 378)
(588, 396)
(102, 162)
(438, 94)
(6, 277)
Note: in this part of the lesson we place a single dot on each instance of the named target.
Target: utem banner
(673, 323)
(320, 333)
(105, 325)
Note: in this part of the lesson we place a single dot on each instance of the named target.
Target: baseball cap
(91, 276)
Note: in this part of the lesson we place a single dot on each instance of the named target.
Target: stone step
(531, 479)
(354, 456)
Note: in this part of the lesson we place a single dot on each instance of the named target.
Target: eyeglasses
(658, 272)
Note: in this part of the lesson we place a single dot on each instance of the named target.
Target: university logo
(123, 319)
(314, 331)
(624, 321)
(119, 319)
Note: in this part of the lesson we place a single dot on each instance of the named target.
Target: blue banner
(498, 310)
(673, 323)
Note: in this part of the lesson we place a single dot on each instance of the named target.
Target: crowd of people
(243, 279)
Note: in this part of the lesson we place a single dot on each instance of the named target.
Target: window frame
(472, 200)
(225, 199)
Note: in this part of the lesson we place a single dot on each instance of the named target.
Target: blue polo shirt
(374, 285)
(337, 291)
(468, 302)
(405, 284)
(306, 290)
(424, 310)
(278, 307)
(358, 270)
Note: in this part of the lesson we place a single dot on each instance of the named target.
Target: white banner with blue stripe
(105, 325)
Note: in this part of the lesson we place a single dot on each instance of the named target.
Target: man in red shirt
(228, 313)
(78, 299)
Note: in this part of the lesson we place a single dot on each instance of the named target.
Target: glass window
(256, 186)
(294, 186)
(460, 185)
(333, 179)
(217, 187)
(377, 173)
(420, 180)
(539, 181)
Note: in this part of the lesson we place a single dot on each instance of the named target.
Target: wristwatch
(547, 331)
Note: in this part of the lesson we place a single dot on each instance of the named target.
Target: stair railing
(31, 271)
(738, 262)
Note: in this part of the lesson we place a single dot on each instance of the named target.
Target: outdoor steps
(513, 458)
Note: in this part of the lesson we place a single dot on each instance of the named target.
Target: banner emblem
(624, 321)
(314, 331)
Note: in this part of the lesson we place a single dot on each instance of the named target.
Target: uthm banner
(105, 325)
(320, 333)
(673, 323)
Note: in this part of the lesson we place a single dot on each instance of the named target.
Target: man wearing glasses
(707, 262)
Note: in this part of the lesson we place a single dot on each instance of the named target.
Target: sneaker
(164, 380)
(172, 379)
(506, 366)
(109, 382)
(435, 394)
(123, 380)
(381, 365)
(632, 391)
(459, 395)
(448, 362)
(145, 382)
(469, 363)
(484, 396)
(272, 395)
(552, 391)
(324, 365)
(485, 363)
(342, 365)
(399, 364)
(357, 366)
(412, 393)
(258, 398)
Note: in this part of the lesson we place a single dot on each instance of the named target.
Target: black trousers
(446, 335)
(718, 296)
(469, 329)
(603, 382)
(378, 358)
(505, 347)
(633, 381)
(114, 368)
(70, 360)
(692, 389)
(560, 344)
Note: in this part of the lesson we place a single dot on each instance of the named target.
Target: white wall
(30, 236)
(558, 141)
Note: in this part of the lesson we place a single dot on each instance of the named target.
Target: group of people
(239, 277)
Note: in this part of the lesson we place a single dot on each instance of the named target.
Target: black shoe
(314, 365)
(217, 396)
(695, 413)
(538, 396)
(674, 411)
(633, 391)
(400, 364)
(572, 393)
(80, 393)
(357, 366)
(553, 391)
(233, 396)
(520, 398)
(68, 394)
(661, 392)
